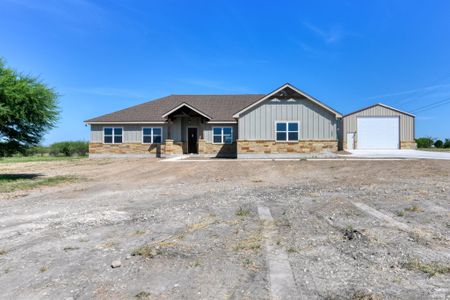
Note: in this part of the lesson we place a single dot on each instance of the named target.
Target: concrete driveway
(411, 154)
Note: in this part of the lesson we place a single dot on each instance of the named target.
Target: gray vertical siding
(208, 136)
(316, 123)
(176, 129)
(406, 122)
(132, 133)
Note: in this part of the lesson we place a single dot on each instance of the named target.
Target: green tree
(28, 109)
(424, 142)
(439, 144)
(447, 143)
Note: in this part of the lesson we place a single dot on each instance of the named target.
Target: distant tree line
(428, 142)
(75, 148)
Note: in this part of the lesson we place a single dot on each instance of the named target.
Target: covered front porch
(190, 131)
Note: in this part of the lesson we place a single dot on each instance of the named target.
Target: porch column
(169, 129)
(201, 146)
(168, 147)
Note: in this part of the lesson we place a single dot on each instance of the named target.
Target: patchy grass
(247, 262)
(242, 212)
(257, 180)
(252, 243)
(400, 213)
(109, 244)
(16, 182)
(366, 295)
(196, 263)
(43, 269)
(24, 159)
(142, 295)
(414, 208)
(139, 232)
(150, 251)
(145, 251)
(283, 222)
(163, 247)
(292, 250)
(435, 149)
(70, 248)
(431, 269)
(205, 222)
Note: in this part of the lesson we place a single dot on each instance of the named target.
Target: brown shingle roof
(219, 107)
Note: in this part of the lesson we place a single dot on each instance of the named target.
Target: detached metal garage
(378, 127)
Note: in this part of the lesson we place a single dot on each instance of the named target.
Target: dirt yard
(191, 230)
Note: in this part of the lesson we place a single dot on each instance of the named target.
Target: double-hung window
(112, 135)
(286, 131)
(222, 135)
(152, 135)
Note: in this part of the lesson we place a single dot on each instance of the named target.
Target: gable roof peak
(284, 86)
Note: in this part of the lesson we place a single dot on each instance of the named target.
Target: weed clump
(414, 208)
(242, 212)
(145, 251)
(142, 295)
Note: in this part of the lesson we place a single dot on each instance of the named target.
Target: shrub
(439, 144)
(37, 150)
(424, 142)
(447, 143)
(69, 148)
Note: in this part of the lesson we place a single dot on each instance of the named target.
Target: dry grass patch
(292, 250)
(145, 251)
(252, 243)
(414, 208)
(142, 295)
(139, 232)
(366, 295)
(431, 269)
(109, 244)
(3, 252)
(151, 251)
(164, 247)
(43, 269)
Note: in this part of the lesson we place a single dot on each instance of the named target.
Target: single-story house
(284, 123)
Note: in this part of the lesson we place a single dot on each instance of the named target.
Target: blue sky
(102, 56)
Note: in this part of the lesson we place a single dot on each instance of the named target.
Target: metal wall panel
(316, 123)
(406, 122)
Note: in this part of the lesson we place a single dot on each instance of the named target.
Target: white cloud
(330, 36)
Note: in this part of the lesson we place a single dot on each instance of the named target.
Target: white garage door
(378, 133)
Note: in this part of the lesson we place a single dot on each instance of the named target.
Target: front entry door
(192, 140)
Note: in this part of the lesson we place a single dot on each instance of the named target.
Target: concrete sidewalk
(410, 154)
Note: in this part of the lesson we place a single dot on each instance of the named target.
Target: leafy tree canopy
(28, 109)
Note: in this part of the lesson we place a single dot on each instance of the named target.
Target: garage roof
(383, 105)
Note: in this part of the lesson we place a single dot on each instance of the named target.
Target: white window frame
(113, 131)
(287, 131)
(222, 136)
(142, 133)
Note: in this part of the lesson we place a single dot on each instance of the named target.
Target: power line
(432, 105)
(425, 90)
